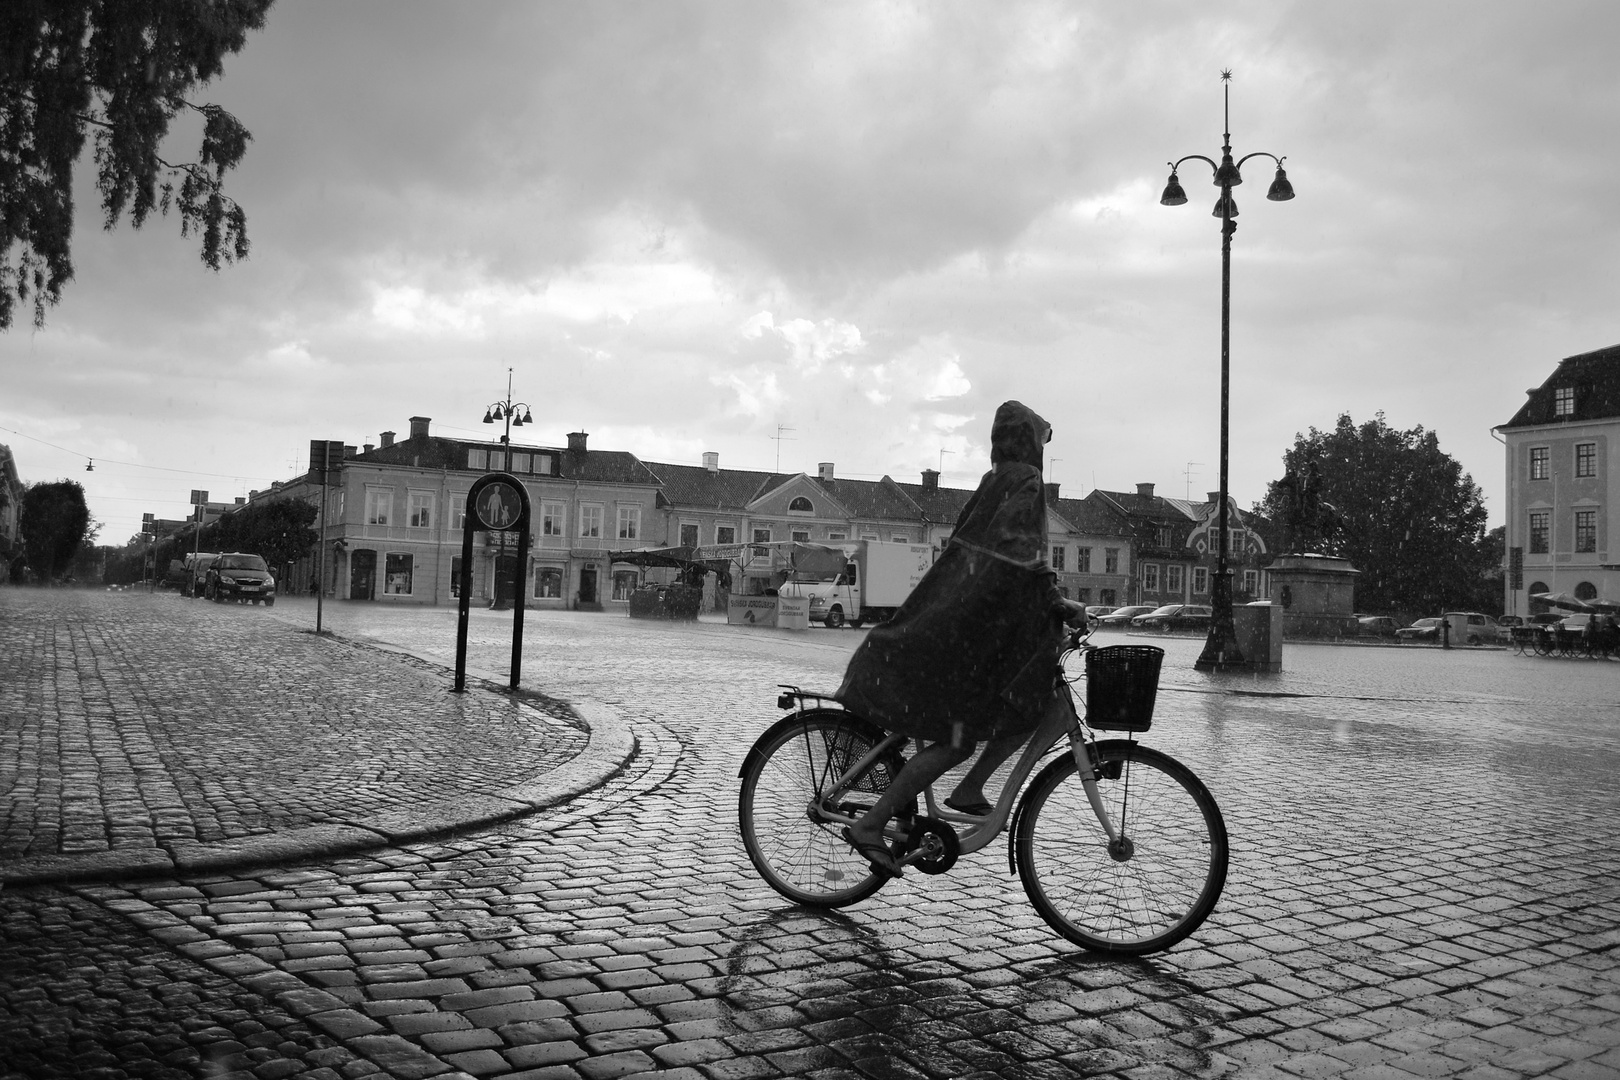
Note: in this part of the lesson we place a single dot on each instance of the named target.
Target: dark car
(1174, 617)
(1377, 626)
(1120, 618)
(236, 575)
(1422, 630)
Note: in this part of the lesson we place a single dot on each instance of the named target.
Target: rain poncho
(973, 651)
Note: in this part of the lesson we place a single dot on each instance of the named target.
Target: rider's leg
(918, 773)
(1003, 745)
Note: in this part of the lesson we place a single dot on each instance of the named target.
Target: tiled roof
(716, 489)
(1090, 519)
(1595, 378)
(936, 504)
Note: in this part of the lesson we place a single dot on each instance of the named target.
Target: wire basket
(1121, 683)
(845, 747)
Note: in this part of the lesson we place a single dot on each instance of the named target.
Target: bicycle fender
(796, 719)
(1065, 761)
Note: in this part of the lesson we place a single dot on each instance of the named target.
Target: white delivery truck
(876, 578)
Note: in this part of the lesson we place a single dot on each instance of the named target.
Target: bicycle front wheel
(785, 778)
(1149, 890)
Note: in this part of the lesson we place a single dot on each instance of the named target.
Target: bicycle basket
(845, 747)
(1121, 683)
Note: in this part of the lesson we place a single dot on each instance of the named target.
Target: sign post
(325, 458)
(496, 503)
(199, 500)
(1515, 575)
(148, 524)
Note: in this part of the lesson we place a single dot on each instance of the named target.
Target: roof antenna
(778, 437)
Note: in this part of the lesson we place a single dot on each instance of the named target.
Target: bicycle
(1119, 847)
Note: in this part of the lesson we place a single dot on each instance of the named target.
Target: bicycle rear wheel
(784, 780)
(1147, 892)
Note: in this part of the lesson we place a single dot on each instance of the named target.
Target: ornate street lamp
(516, 414)
(1221, 650)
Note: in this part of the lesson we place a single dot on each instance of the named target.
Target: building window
(379, 506)
(552, 522)
(522, 463)
(1106, 597)
(1200, 579)
(870, 536)
(629, 522)
(624, 583)
(477, 459)
(1564, 401)
(725, 534)
(1538, 463)
(1585, 590)
(801, 536)
(762, 536)
(1058, 552)
(458, 512)
(1150, 577)
(548, 583)
(801, 505)
(455, 576)
(1586, 530)
(421, 510)
(1586, 459)
(1251, 582)
(337, 506)
(1082, 596)
(901, 539)
(1540, 526)
(1173, 578)
(1082, 560)
(1110, 560)
(837, 536)
(590, 520)
(1162, 536)
(397, 574)
(689, 534)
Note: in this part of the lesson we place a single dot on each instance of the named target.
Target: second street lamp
(514, 413)
(1221, 650)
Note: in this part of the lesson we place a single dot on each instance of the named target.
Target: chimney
(576, 444)
(1051, 491)
(240, 501)
(387, 439)
(1215, 497)
(254, 494)
(350, 451)
(930, 480)
(711, 460)
(824, 470)
(419, 426)
(369, 447)
(1144, 491)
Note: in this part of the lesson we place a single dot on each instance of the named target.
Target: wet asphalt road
(1423, 883)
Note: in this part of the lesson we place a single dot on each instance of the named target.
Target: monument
(1316, 590)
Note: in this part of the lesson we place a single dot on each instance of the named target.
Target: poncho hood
(1018, 434)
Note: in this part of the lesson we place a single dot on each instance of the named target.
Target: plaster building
(11, 493)
(1176, 550)
(1563, 456)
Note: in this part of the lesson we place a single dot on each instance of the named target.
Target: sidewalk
(147, 734)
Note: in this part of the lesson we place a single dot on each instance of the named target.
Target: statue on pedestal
(1307, 522)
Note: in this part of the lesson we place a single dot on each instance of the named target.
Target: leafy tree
(1407, 516)
(278, 530)
(124, 68)
(54, 521)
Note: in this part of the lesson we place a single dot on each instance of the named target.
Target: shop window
(1150, 577)
(1106, 597)
(624, 583)
(1585, 590)
(1082, 596)
(397, 574)
(548, 583)
(455, 577)
(1173, 578)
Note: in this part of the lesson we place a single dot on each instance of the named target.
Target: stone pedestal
(1317, 594)
(1259, 628)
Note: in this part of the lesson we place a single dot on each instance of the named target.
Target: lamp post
(508, 410)
(1221, 650)
(516, 414)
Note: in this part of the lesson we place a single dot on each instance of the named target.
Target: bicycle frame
(979, 832)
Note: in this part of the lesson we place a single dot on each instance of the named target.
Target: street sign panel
(198, 497)
(1516, 568)
(325, 455)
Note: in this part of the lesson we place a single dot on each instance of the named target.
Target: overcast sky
(696, 226)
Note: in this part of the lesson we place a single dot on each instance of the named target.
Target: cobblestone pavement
(1423, 884)
(157, 731)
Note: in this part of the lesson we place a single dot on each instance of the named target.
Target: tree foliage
(278, 530)
(1408, 516)
(55, 520)
(126, 69)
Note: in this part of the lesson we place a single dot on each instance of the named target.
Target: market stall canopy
(1564, 600)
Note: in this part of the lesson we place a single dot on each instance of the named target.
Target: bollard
(1445, 632)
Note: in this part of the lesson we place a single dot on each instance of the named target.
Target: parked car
(236, 575)
(1481, 629)
(1097, 611)
(1422, 630)
(1510, 621)
(1174, 617)
(1377, 626)
(1120, 618)
(1546, 618)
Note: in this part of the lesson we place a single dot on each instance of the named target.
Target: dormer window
(1564, 401)
(801, 505)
